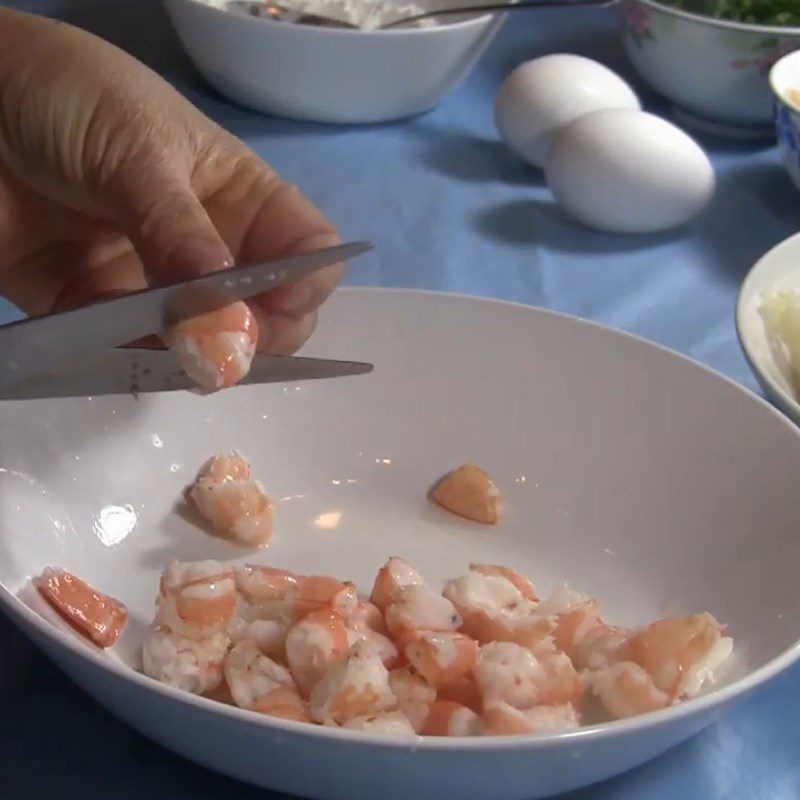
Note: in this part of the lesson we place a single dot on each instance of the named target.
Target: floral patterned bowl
(714, 70)
(784, 79)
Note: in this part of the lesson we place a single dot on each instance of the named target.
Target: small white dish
(629, 471)
(784, 79)
(778, 269)
(328, 74)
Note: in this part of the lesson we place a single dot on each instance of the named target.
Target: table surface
(449, 208)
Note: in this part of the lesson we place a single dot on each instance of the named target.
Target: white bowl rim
(786, 398)
(347, 32)
(744, 27)
(774, 69)
(707, 702)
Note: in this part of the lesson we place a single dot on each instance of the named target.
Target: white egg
(628, 172)
(541, 96)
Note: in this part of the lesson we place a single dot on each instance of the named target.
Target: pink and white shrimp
(97, 616)
(315, 643)
(355, 686)
(393, 576)
(469, 492)
(494, 609)
(419, 608)
(284, 702)
(197, 598)
(267, 634)
(447, 718)
(465, 692)
(390, 723)
(215, 349)
(505, 720)
(523, 584)
(316, 592)
(262, 591)
(237, 506)
(192, 665)
(680, 654)
(251, 675)
(414, 695)
(626, 690)
(442, 658)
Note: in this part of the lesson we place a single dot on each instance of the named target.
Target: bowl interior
(629, 472)
(785, 77)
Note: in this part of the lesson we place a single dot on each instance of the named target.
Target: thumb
(169, 228)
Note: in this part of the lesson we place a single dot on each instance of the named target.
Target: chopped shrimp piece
(504, 720)
(442, 657)
(251, 675)
(379, 644)
(680, 654)
(367, 615)
(559, 682)
(393, 576)
(469, 492)
(420, 608)
(192, 665)
(239, 509)
(313, 644)
(355, 686)
(523, 584)
(268, 635)
(573, 624)
(414, 695)
(392, 723)
(259, 584)
(493, 609)
(231, 466)
(215, 349)
(465, 692)
(626, 690)
(197, 598)
(562, 599)
(600, 646)
(97, 616)
(447, 718)
(284, 702)
(315, 592)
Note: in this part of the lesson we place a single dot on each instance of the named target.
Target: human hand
(110, 181)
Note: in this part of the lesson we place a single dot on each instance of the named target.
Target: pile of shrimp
(485, 656)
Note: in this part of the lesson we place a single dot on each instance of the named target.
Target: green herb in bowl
(754, 12)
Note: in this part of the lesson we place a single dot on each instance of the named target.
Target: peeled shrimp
(442, 658)
(197, 598)
(95, 615)
(504, 720)
(420, 608)
(215, 349)
(447, 718)
(367, 616)
(313, 644)
(263, 590)
(379, 644)
(391, 723)
(357, 685)
(284, 702)
(315, 592)
(267, 634)
(626, 690)
(414, 695)
(393, 576)
(469, 492)
(680, 654)
(192, 665)
(465, 692)
(236, 505)
(524, 586)
(251, 675)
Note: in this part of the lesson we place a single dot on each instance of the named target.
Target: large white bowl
(325, 74)
(629, 471)
(713, 69)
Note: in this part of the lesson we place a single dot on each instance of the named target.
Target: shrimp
(626, 690)
(600, 646)
(392, 723)
(357, 685)
(251, 675)
(680, 654)
(503, 720)
(573, 624)
(469, 492)
(523, 584)
(284, 702)
(230, 466)
(494, 609)
(447, 718)
(379, 644)
(418, 607)
(465, 692)
(414, 695)
(192, 665)
(196, 599)
(367, 616)
(260, 584)
(215, 349)
(315, 592)
(239, 509)
(267, 634)
(393, 576)
(97, 616)
(442, 658)
(313, 644)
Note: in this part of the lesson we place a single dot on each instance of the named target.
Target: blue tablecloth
(450, 208)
